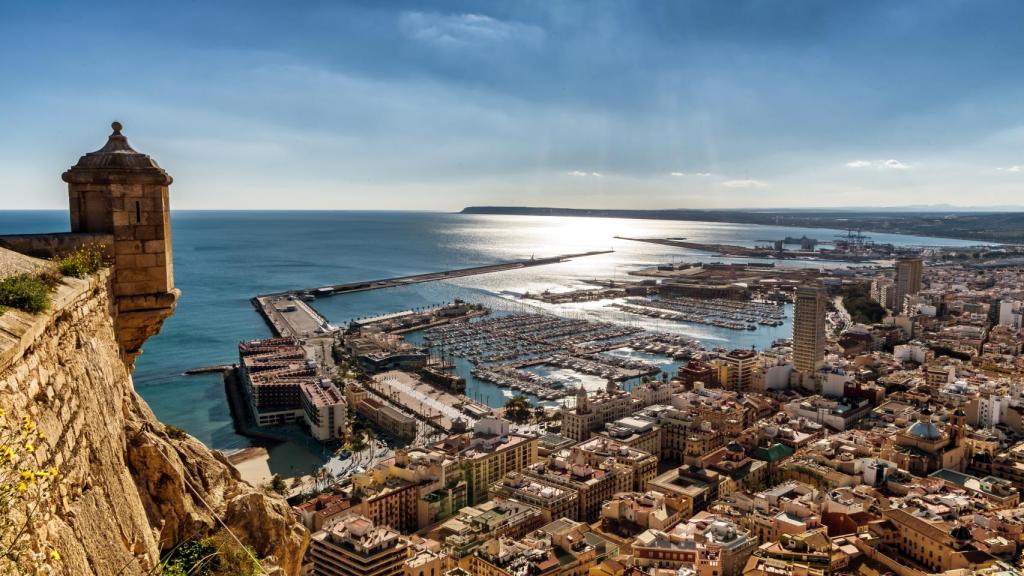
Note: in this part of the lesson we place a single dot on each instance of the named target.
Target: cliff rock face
(127, 490)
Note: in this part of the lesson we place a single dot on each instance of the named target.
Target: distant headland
(988, 226)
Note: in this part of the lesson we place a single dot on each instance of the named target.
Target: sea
(222, 259)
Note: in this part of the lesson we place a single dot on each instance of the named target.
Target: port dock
(432, 276)
(288, 313)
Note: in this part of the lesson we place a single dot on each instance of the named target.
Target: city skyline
(443, 105)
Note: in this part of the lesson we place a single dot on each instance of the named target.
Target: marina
(721, 312)
(506, 351)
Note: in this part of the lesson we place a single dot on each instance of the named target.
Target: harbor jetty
(433, 276)
(289, 315)
(734, 251)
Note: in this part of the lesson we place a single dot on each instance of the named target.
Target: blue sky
(438, 105)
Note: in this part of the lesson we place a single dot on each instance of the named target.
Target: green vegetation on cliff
(27, 292)
(83, 262)
(218, 555)
(31, 292)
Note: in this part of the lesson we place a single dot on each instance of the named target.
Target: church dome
(924, 431)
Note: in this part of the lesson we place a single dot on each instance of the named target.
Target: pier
(433, 276)
(288, 314)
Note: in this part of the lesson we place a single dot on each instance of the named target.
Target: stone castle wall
(50, 245)
(125, 490)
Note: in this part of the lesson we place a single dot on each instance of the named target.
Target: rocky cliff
(128, 488)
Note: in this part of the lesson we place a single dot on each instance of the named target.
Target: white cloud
(680, 174)
(744, 183)
(461, 30)
(1014, 168)
(576, 173)
(597, 174)
(890, 164)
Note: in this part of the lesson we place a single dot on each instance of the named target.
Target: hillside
(1007, 227)
(126, 487)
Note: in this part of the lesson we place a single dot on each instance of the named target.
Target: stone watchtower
(122, 193)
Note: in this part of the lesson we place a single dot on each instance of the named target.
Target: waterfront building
(591, 413)
(808, 329)
(281, 386)
(697, 371)
(379, 351)
(384, 415)
(271, 371)
(324, 409)
(355, 546)
(908, 281)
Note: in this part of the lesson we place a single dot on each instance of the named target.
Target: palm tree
(517, 409)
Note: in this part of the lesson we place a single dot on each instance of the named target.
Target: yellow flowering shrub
(25, 497)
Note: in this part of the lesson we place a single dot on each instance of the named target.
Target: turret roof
(116, 161)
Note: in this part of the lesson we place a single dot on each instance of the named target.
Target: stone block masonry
(122, 497)
(125, 194)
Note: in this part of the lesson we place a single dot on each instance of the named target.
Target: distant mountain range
(905, 208)
(990, 224)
